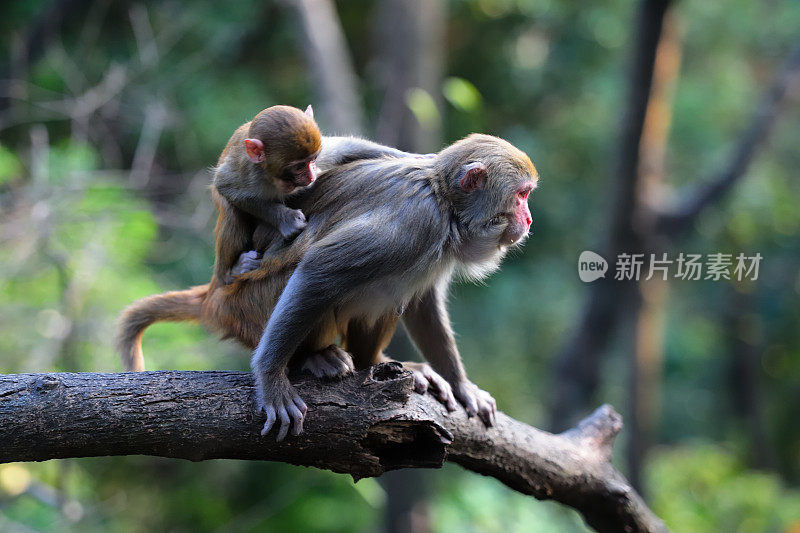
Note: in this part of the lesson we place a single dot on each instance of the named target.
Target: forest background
(111, 114)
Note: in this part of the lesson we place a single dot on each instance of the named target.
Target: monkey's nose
(313, 170)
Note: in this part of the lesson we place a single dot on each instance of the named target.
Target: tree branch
(785, 83)
(363, 425)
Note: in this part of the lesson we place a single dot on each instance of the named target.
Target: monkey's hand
(278, 399)
(292, 223)
(476, 401)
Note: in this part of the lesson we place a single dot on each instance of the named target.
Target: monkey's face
(517, 219)
(493, 181)
(495, 205)
(285, 142)
(298, 173)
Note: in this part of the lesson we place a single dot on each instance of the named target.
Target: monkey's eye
(523, 194)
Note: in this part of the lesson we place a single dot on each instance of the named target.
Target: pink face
(522, 219)
(522, 212)
(303, 172)
(298, 174)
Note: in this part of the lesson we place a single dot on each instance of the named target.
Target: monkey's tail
(173, 306)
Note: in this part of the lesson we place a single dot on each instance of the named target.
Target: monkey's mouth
(514, 236)
(301, 181)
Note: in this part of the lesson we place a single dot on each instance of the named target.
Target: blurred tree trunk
(577, 366)
(742, 331)
(642, 224)
(646, 363)
(407, 491)
(336, 93)
(408, 64)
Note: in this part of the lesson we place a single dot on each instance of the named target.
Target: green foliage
(421, 103)
(9, 165)
(701, 487)
(471, 503)
(462, 94)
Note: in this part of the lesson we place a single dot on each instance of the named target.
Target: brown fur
(176, 306)
(366, 342)
(288, 135)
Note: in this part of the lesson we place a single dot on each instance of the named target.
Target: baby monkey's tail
(175, 306)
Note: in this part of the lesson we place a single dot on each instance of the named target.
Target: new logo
(591, 266)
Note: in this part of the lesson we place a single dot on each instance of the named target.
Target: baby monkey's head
(285, 141)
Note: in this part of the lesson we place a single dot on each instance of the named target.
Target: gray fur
(390, 233)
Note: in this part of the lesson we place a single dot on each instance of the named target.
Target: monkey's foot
(278, 399)
(330, 362)
(425, 379)
(476, 401)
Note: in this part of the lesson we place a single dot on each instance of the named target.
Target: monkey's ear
(310, 111)
(472, 176)
(255, 150)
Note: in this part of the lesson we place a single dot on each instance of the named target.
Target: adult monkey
(384, 239)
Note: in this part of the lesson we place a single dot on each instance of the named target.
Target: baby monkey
(265, 160)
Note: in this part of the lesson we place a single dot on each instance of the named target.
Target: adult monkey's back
(384, 240)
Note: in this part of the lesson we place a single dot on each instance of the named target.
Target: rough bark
(364, 425)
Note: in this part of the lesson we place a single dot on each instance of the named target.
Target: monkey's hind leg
(232, 235)
(270, 255)
(367, 342)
